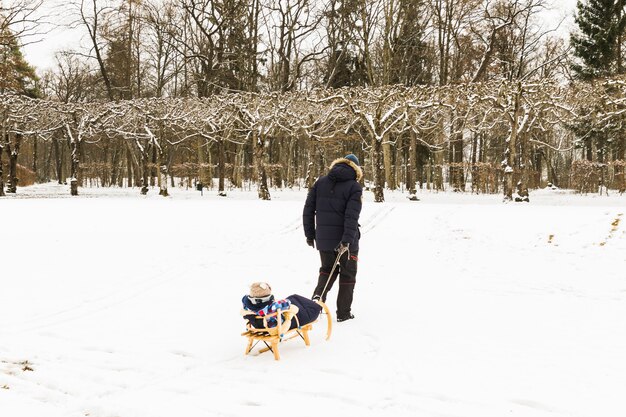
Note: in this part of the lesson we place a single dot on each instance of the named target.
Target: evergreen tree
(16, 75)
(601, 24)
(120, 63)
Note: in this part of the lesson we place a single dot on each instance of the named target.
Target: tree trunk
(289, 162)
(153, 169)
(221, 166)
(129, 168)
(537, 170)
(58, 158)
(115, 159)
(259, 147)
(209, 169)
(421, 154)
(510, 154)
(136, 169)
(238, 168)
(168, 165)
(619, 6)
(75, 165)
(481, 148)
(321, 160)
(277, 163)
(588, 150)
(429, 172)
(389, 178)
(105, 174)
(438, 170)
(35, 168)
(551, 178)
(162, 170)
(2, 139)
(474, 168)
(310, 175)
(522, 186)
(379, 179)
(411, 173)
(144, 168)
(162, 176)
(13, 154)
(48, 162)
(397, 162)
(438, 159)
(459, 180)
(455, 155)
(620, 168)
(201, 162)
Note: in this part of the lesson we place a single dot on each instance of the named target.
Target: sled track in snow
(369, 223)
(292, 226)
(375, 219)
(97, 304)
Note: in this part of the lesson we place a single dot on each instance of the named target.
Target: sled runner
(272, 336)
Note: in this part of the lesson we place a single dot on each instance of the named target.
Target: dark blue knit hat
(352, 157)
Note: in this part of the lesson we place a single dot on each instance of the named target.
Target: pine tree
(16, 75)
(597, 44)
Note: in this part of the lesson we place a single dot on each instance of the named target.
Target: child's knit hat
(260, 290)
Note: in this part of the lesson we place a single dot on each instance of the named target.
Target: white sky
(41, 54)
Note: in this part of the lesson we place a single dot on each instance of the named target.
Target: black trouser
(346, 270)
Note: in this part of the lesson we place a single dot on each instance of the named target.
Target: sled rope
(332, 271)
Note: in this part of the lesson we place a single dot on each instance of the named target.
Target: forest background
(485, 96)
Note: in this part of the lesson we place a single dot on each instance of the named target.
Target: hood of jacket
(343, 169)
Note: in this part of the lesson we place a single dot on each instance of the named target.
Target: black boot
(348, 317)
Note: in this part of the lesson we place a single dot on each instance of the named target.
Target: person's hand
(310, 242)
(342, 247)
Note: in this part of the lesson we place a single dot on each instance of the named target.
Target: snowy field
(127, 306)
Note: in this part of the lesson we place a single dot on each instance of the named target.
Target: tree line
(515, 132)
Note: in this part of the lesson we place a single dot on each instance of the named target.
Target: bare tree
(161, 18)
(293, 40)
(21, 19)
(71, 81)
(405, 54)
(220, 38)
(91, 15)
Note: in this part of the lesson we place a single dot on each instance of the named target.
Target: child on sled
(260, 303)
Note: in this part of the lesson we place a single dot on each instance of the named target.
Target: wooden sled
(272, 336)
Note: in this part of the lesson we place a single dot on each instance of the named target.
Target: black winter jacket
(333, 205)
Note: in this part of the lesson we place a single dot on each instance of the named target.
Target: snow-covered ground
(127, 306)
